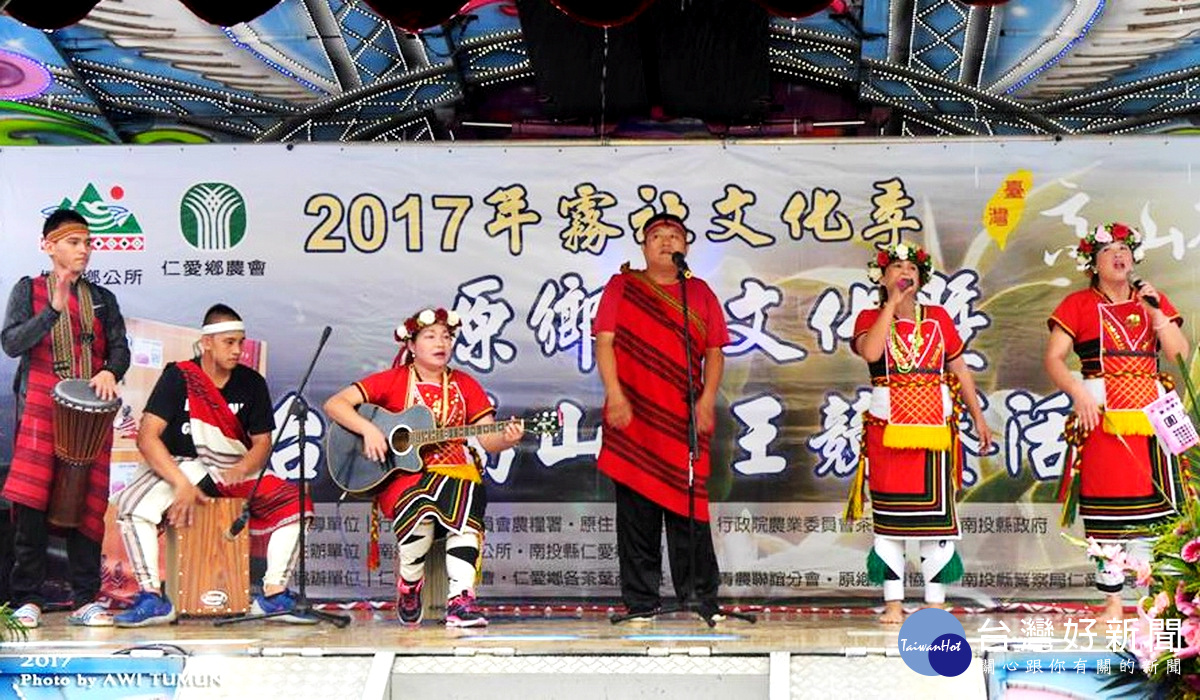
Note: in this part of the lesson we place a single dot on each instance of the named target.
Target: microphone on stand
(1137, 283)
(681, 264)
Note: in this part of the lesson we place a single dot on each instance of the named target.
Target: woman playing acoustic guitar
(448, 494)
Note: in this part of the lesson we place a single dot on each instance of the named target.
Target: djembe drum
(82, 424)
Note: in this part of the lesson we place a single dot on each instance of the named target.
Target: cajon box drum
(207, 574)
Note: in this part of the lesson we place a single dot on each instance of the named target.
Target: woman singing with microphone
(1115, 473)
(911, 457)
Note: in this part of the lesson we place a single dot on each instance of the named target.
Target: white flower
(452, 319)
(874, 274)
(1139, 255)
(426, 317)
(1073, 252)
(401, 332)
(1103, 236)
(902, 252)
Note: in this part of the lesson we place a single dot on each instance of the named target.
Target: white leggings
(462, 556)
(140, 510)
(934, 555)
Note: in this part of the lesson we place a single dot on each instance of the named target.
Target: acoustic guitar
(406, 433)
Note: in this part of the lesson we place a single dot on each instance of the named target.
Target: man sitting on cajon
(206, 432)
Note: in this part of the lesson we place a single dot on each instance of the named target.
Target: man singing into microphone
(640, 353)
(1122, 482)
(206, 432)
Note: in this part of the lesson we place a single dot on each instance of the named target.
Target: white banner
(520, 240)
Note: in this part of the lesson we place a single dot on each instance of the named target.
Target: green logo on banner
(212, 216)
(103, 217)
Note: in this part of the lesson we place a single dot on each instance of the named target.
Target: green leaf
(9, 627)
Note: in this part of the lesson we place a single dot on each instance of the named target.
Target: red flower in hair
(922, 256)
(440, 314)
(1120, 231)
(881, 258)
(412, 326)
(1085, 247)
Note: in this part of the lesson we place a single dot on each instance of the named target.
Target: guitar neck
(460, 432)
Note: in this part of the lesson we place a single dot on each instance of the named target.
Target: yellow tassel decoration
(856, 500)
(373, 557)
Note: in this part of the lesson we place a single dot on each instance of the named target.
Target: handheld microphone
(238, 525)
(681, 264)
(1138, 283)
(904, 284)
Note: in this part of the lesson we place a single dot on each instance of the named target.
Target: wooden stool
(437, 582)
(207, 574)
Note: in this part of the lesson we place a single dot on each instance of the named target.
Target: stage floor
(548, 651)
(544, 629)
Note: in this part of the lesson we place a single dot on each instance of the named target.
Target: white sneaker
(28, 616)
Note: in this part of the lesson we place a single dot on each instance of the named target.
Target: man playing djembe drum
(61, 326)
(206, 432)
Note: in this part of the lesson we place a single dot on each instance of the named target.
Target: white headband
(222, 327)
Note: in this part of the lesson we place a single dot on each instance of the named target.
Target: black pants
(640, 523)
(30, 544)
(6, 549)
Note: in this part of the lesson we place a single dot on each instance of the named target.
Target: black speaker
(576, 69)
(705, 59)
(711, 59)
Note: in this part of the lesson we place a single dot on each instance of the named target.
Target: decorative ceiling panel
(142, 71)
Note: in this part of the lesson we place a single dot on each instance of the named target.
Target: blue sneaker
(281, 602)
(147, 609)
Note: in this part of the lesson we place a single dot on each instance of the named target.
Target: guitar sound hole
(401, 440)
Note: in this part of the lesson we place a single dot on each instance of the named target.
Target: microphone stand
(299, 410)
(688, 602)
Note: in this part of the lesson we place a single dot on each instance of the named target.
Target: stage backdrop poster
(520, 240)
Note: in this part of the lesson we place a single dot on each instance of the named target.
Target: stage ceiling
(147, 71)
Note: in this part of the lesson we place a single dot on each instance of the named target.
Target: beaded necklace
(414, 395)
(907, 355)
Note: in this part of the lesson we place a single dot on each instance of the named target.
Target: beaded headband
(67, 229)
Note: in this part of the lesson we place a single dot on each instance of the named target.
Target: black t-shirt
(246, 394)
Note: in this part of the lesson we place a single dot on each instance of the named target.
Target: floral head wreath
(1093, 241)
(427, 317)
(900, 251)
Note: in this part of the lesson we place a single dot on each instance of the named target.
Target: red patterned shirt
(465, 403)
